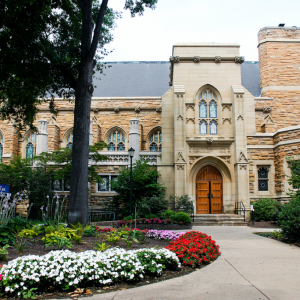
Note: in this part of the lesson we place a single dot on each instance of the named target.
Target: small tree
(144, 185)
(182, 203)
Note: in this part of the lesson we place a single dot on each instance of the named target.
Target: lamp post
(131, 154)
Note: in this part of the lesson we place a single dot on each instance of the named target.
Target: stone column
(179, 139)
(134, 138)
(41, 137)
(240, 141)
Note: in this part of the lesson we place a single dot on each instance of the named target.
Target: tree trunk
(78, 207)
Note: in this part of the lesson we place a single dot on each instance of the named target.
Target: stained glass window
(213, 127)
(212, 109)
(209, 95)
(29, 150)
(202, 110)
(1, 152)
(156, 141)
(263, 179)
(31, 138)
(203, 127)
(205, 95)
(116, 141)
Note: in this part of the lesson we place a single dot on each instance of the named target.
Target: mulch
(271, 224)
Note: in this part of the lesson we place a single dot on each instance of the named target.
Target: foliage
(18, 223)
(144, 186)
(4, 252)
(113, 238)
(128, 241)
(78, 227)
(182, 203)
(168, 214)
(289, 219)
(104, 268)
(294, 179)
(195, 248)
(163, 234)
(57, 239)
(101, 247)
(182, 217)
(58, 162)
(277, 234)
(266, 209)
(29, 294)
(153, 205)
(90, 230)
(128, 218)
(28, 233)
(7, 236)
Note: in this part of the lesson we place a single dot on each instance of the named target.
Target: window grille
(116, 141)
(104, 185)
(156, 141)
(263, 179)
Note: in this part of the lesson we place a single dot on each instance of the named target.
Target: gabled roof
(151, 79)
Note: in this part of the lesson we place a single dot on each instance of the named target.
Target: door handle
(208, 195)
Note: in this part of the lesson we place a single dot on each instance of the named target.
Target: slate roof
(151, 79)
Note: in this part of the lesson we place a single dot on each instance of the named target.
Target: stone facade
(206, 118)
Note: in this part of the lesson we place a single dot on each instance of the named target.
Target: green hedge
(266, 209)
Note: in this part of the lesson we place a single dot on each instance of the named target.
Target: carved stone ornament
(240, 117)
(180, 157)
(174, 59)
(179, 95)
(226, 159)
(95, 120)
(180, 167)
(239, 59)
(95, 109)
(192, 120)
(137, 109)
(239, 95)
(243, 167)
(243, 157)
(158, 109)
(190, 106)
(267, 109)
(116, 109)
(227, 120)
(192, 159)
(52, 121)
(209, 140)
(218, 59)
(197, 59)
(180, 117)
(226, 106)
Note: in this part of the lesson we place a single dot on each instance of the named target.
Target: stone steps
(219, 220)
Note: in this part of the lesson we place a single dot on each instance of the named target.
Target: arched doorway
(209, 191)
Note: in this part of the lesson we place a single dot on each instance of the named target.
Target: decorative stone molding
(152, 159)
(209, 140)
(227, 120)
(95, 120)
(226, 106)
(52, 121)
(158, 109)
(213, 120)
(174, 59)
(200, 150)
(205, 120)
(180, 157)
(240, 117)
(190, 106)
(239, 59)
(192, 159)
(197, 59)
(179, 95)
(116, 109)
(180, 117)
(192, 120)
(137, 109)
(267, 109)
(116, 159)
(217, 59)
(226, 159)
(180, 167)
(243, 167)
(95, 109)
(243, 157)
(239, 95)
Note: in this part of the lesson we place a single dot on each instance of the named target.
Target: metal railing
(95, 213)
(239, 208)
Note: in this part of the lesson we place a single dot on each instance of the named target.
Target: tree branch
(97, 31)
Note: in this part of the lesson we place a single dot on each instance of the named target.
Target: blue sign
(4, 188)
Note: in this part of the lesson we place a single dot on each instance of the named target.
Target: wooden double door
(209, 191)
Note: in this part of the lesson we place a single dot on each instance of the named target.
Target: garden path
(250, 267)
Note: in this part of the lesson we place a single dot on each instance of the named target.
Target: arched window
(70, 140)
(156, 141)
(30, 146)
(208, 110)
(1, 146)
(116, 141)
(203, 127)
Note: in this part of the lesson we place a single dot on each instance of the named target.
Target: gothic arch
(25, 142)
(209, 87)
(65, 137)
(150, 134)
(113, 129)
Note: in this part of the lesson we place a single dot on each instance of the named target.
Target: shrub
(128, 218)
(168, 214)
(195, 248)
(152, 206)
(289, 218)
(266, 209)
(182, 217)
(182, 203)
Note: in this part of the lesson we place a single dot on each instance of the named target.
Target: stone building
(217, 127)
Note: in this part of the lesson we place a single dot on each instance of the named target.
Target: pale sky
(150, 37)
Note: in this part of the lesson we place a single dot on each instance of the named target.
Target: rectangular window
(104, 185)
(263, 179)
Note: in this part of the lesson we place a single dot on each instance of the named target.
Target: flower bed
(163, 234)
(195, 248)
(67, 270)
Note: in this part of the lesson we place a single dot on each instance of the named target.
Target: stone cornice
(198, 59)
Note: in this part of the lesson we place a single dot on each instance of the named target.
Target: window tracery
(70, 140)
(30, 145)
(156, 141)
(263, 179)
(207, 111)
(116, 141)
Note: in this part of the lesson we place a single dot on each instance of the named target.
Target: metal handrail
(240, 207)
(106, 214)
